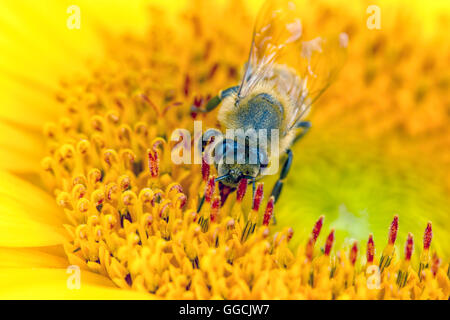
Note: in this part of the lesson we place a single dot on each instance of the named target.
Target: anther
(353, 253)
(215, 205)
(269, 211)
(153, 163)
(205, 170)
(329, 243)
(428, 235)
(370, 251)
(63, 200)
(94, 176)
(83, 146)
(393, 230)
(409, 247)
(124, 182)
(78, 191)
(258, 197)
(242, 188)
(317, 227)
(129, 198)
(146, 195)
(209, 189)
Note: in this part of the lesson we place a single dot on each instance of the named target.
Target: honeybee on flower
(288, 68)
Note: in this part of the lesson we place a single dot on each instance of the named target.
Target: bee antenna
(222, 177)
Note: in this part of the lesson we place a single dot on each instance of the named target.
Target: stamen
(309, 251)
(269, 211)
(187, 84)
(329, 243)
(215, 209)
(402, 275)
(435, 264)
(258, 197)
(428, 235)
(388, 251)
(209, 189)
(241, 189)
(153, 162)
(63, 200)
(290, 234)
(317, 228)
(353, 253)
(370, 253)
(205, 170)
(409, 247)
(393, 231)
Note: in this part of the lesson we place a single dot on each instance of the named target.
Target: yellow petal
(29, 217)
(37, 49)
(47, 283)
(30, 258)
(21, 154)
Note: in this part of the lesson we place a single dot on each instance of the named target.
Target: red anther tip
(163, 209)
(194, 216)
(155, 196)
(187, 84)
(393, 230)
(242, 188)
(198, 100)
(213, 70)
(156, 144)
(353, 253)
(370, 249)
(183, 200)
(177, 187)
(428, 235)
(310, 248)
(290, 234)
(205, 169)
(153, 163)
(409, 247)
(317, 228)
(230, 224)
(209, 190)
(216, 203)
(258, 197)
(269, 211)
(435, 263)
(215, 208)
(329, 243)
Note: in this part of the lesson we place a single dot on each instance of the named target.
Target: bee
(287, 70)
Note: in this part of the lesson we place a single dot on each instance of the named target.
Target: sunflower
(93, 207)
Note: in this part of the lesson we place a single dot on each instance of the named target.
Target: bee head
(244, 163)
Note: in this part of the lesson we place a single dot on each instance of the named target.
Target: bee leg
(305, 125)
(200, 205)
(253, 188)
(215, 101)
(276, 191)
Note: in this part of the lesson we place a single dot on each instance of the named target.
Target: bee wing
(275, 27)
(294, 54)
